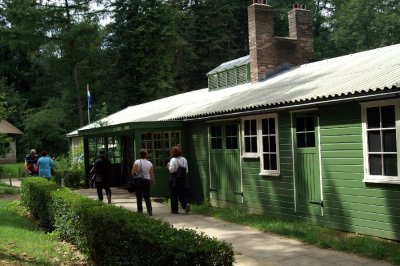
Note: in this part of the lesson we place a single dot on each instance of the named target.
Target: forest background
(134, 51)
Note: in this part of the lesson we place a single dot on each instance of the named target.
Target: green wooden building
(313, 141)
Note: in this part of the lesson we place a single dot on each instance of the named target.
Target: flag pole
(88, 101)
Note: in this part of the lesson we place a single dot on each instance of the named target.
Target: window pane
(265, 126)
(218, 131)
(373, 117)
(272, 143)
(234, 130)
(213, 143)
(234, 143)
(301, 140)
(219, 143)
(247, 144)
(247, 127)
(273, 162)
(228, 142)
(310, 139)
(374, 141)
(253, 127)
(388, 116)
(309, 123)
(254, 144)
(271, 126)
(389, 141)
(267, 165)
(390, 164)
(228, 130)
(375, 164)
(300, 124)
(266, 144)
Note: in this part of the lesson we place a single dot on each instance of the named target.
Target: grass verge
(12, 170)
(22, 242)
(363, 245)
(7, 190)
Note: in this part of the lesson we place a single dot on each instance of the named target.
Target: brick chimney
(268, 52)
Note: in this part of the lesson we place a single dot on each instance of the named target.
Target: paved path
(252, 247)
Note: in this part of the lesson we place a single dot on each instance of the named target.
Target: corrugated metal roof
(372, 70)
(230, 64)
(7, 128)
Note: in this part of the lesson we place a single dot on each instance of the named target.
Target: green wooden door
(307, 164)
(225, 162)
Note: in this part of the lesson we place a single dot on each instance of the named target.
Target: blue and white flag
(89, 101)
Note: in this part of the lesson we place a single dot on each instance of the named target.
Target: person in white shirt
(145, 167)
(178, 182)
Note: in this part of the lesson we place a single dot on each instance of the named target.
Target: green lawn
(7, 190)
(372, 247)
(14, 170)
(22, 242)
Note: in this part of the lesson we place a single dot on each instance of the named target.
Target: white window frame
(260, 151)
(368, 178)
(244, 153)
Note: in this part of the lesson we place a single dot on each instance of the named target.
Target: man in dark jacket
(102, 175)
(31, 163)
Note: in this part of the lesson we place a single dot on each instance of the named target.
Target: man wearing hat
(102, 175)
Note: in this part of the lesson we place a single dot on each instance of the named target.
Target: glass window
(95, 144)
(305, 132)
(114, 149)
(250, 137)
(231, 136)
(380, 141)
(216, 137)
(158, 145)
(260, 138)
(269, 144)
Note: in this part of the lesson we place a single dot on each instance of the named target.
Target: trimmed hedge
(112, 235)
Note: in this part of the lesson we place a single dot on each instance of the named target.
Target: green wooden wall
(271, 194)
(349, 203)
(196, 152)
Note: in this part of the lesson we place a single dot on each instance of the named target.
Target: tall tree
(360, 24)
(142, 41)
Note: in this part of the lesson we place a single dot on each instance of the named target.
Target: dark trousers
(143, 191)
(100, 186)
(178, 193)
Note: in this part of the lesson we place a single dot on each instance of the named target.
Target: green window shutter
(213, 81)
(222, 80)
(242, 75)
(231, 77)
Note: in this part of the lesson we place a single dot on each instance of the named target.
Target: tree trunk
(74, 66)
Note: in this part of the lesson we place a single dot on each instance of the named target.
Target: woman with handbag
(143, 174)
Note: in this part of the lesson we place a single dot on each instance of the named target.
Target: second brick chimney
(269, 53)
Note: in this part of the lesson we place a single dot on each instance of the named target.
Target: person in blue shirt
(45, 163)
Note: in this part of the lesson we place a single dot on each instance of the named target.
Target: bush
(112, 235)
(74, 178)
(72, 173)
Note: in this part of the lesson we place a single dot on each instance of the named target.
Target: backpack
(181, 173)
(180, 176)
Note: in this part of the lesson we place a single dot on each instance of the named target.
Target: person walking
(143, 173)
(31, 163)
(45, 164)
(178, 182)
(101, 171)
